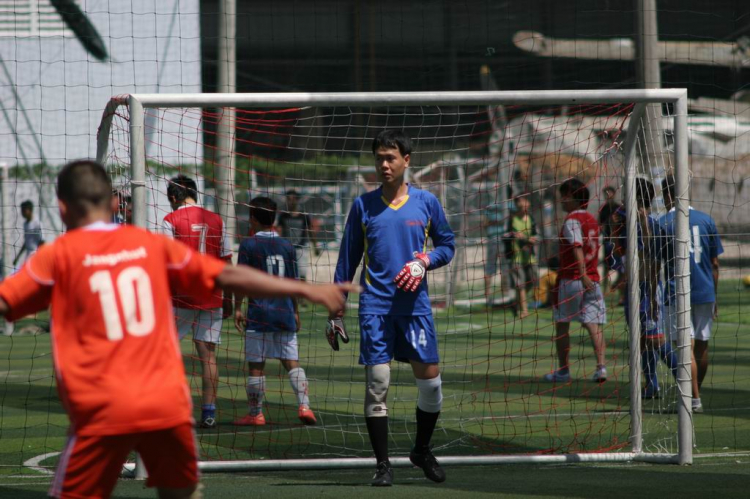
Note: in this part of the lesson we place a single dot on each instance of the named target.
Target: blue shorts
(400, 337)
(650, 327)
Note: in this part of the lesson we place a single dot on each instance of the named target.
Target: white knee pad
(378, 380)
(430, 397)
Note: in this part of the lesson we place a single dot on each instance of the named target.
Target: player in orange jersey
(203, 231)
(117, 359)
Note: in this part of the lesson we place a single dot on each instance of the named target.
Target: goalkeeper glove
(334, 329)
(413, 272)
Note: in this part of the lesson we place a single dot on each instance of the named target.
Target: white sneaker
(600, 376)
(557, 377)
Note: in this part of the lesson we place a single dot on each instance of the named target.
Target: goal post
(133, 175)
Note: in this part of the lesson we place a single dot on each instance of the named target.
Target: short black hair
(27, 205)
(292, 192)
(576, 190)
(609, 188)
(263, 210)
(668, 188)
(392, 139)
(644, 192)
(182, 187)
(84, 185)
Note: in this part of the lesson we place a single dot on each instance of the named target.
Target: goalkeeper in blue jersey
(653, 340)
(390, 227)
(705, 248)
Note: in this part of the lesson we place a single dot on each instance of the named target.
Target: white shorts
(279, 345)
(701, 321)
(575, 304)
(205, 325)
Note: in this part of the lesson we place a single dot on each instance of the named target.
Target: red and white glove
(334, 330)
(413, 272)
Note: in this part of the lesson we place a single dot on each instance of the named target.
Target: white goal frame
(641, 98)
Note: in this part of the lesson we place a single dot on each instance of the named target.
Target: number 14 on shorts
(421, 340)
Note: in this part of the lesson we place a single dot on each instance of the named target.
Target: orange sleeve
(191, 273)
(30, 289)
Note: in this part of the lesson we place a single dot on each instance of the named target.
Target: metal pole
(227, 83)
(682, 281)
(632, 269)
(138, 193)
(137, 162)
(105, 125)
(403, 462)
(372, 99)
(649, 74)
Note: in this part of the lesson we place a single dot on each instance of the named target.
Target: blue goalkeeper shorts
(403, 338)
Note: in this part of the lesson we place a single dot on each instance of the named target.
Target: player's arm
(581, 264)
(29, 290)
(443, 240)
(18, 255)
(41, 234)
(352, 249)
(573, 233)
(414, 271)
(254, 283)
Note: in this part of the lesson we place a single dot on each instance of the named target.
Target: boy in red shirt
(578, 296)
(117, 360)
(203, 231)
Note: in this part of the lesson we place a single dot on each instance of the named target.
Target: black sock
(377, 428)
(426, 422)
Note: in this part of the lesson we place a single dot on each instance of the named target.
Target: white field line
(33, 463)
(495, 418)
(25, 483)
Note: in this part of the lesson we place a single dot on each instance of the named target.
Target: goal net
(479, 153)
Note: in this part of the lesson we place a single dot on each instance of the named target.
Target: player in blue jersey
(390, 227)
(705, 248)
(654, 344)
(271, 324)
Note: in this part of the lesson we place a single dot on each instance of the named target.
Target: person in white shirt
(32, 231)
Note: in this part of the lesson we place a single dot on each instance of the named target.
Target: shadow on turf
(568, 481)
(19, 493)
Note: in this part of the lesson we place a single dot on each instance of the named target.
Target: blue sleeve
(352, 245)
(442, 236)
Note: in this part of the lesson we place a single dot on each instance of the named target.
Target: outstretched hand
(332, 296)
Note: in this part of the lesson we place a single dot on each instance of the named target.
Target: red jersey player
(203, 231)
(116, 355)
(578, 295)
